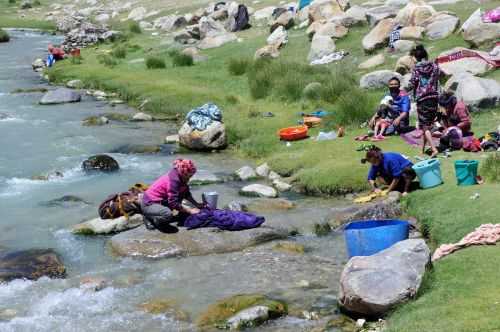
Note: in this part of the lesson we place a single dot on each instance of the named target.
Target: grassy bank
(13, 16)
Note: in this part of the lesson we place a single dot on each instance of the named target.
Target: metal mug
(210, 199)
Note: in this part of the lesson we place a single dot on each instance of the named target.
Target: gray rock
(281, 186)
(140, 242)
(203, 177)
(103, 163)
(170, 23)
(377, 14)
(142, 117)
(396, 3)
(378, 37)
(95, 121)
(217, 41)
(285, 20)
(236, 206)
(74, 84)
(30, 264)
(212, 138)
(259, 190)
(145, 25)
(172, 139)
(246, 173)
(60, 96)
(65, 201)
(332, 30)
(38, 65)
(264, 14)
(377, 79)
(102, 18)
(356, 15)
(441, 25)
(321, 46)
(374, 61)
(278, 38)
(473, 65)
(476, 32)
(263, 170)
(415, 13)
(412, 33)
(253, 316)
(475, 91)
(404, 46)
(375, 284)
(26, 5)
(210, 28)
(274, 176)
(137, 14)
(268, 51)
(99, 226)
(320, 10)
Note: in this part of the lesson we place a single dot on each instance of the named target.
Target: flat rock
(100, 226)
(475, 91)
(415, 13)
(412, 33)
(356, 15)
(405, 64)
(141, 242)
(378, 79)
(375, 284)
(321, 46)
(377, 14)
(30, 264)
(372, 62)
(253, 316)
(260, 205)
(60, 96)
(74, 84)
(320, 10)
(268, 51)
(246, 173)
(378, 37)
(142, 117)
(259, 190)
(332, 30)
(278, 38)
(263, 170)
(203, 177)
(212, 138)
(473, 65)
(476, 32)
(404, 46)
(264, 14)
(217, 41)
(441, 25)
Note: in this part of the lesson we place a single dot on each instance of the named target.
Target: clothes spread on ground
(484, 234)
(200, 118)
(391, 166)
(371, 197)
(490, 141)
(224, 219)
(415, 138)
(242, 19)
(335, 56)
(394, 36)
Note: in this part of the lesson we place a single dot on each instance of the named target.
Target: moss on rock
(290, 247)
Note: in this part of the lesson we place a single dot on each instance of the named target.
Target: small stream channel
(39, 140)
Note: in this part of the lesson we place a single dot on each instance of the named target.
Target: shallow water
(39, 140)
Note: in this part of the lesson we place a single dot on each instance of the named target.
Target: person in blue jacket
(389, 168)
(400, 109)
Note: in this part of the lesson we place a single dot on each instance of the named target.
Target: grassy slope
(10, 16)
(460, 293)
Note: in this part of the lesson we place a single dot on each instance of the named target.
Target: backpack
(123, 204)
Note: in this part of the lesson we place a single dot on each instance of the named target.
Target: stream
(40, 140)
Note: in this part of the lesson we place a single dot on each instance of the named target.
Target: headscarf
(185, 167)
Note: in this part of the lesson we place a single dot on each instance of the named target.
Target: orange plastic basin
(293, 133)
(312, 121)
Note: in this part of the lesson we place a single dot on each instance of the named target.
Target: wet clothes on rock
(224, 219)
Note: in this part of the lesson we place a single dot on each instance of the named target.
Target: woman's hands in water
(193, 210)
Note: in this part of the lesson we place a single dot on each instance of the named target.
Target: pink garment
(484, 234)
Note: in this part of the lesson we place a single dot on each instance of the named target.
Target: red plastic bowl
(293, 133)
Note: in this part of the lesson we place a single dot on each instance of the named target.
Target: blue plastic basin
(429, 173)
(365, 238)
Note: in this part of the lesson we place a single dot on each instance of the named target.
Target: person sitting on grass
(455, 113)
(399, 110)
(162, 203)
(389, 168)
(383, 118)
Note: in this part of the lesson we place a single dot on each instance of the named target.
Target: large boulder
(259, 190)
(415, 13)
(60, 96)
(99, 226)
(356, 15)
(377, 14)
(141, 242)
(321, 46)
(30, 264)
(441, 25)
(268, 51)
(137, 14)
(374, 61)
(378, 37)
(217, 41)
(278, 38)
(405, 64)
(473, 65)
(210, 28)
(320, 10)
(476, 32)
(373, 285)
(332, 30)
(264, 14)
(475, 91)
(170, 23)
(285, 20)
(412, 33)
(404, 46)
(103, 163)
(378, 79)
(212, 138)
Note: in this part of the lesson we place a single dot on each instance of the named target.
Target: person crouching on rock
(162, 203)
(389, 168)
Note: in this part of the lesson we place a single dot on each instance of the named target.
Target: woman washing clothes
(425, 85)
(456, 122)
(389, 168)
(162, 203)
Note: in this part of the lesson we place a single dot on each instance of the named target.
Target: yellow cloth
(370, 197)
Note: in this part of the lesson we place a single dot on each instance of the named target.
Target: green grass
(155, 62)
(491, 167)
(10, 16)
(181, 60)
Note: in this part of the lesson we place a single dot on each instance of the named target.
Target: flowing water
(39, 140)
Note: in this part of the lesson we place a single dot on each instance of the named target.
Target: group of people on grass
(440, 115)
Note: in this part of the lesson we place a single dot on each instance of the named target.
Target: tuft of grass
(4, 36)
(181, 60)
(134, 27)
(119, 52)
(354, 107)
(76, 60)
(238, 67)
(12, 2)
(107, 60)
(490, 169)
(155, 62)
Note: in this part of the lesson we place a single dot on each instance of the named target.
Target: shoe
(149, 225)
(167, 228)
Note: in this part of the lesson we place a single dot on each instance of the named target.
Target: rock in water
(378, 79)
(99, 226)
(103, 163)
(142, 117)
(203, 177)
(246, 173)
(259, 190)
(253, 316)
(141, 242)
(373, 285)
(74, 84)
(31, 264)
(60, 96)
(263, 170)
(212, 138)
(378, 37)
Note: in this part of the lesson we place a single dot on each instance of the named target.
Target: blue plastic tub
(466, 172)
(365, 238)
(429, 173)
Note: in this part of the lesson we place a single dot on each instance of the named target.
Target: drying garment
(394, 36)
(334, 56)
(484, 234)
(242, 19)
(224, 219)
(200, 118)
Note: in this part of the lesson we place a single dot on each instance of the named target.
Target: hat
(387, 101)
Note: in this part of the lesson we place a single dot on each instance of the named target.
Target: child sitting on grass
(383, 119)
